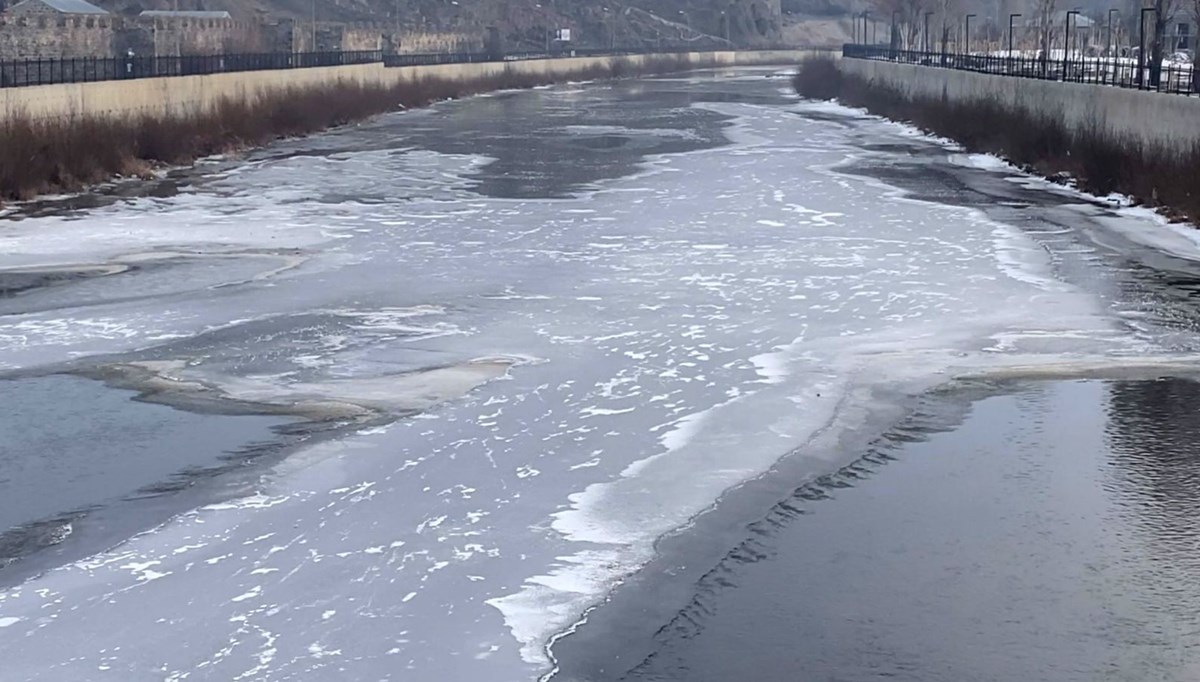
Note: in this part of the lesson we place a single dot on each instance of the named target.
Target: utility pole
(967, 35)
(927, 15)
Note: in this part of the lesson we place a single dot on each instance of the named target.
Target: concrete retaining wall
(182, 95)
(1169, 121)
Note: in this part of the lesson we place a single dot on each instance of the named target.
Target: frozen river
(412, 396)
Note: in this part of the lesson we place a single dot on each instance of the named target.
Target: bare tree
(1164, 14)
(909, 16)
(1044, 19)
(948, 11)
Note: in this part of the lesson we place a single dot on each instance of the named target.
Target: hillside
(526, 24)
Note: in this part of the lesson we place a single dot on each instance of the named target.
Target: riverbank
(67, 154)
(1091, 158)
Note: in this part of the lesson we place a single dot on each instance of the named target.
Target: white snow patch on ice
(254, 592)
(604, 411)
(772, 367)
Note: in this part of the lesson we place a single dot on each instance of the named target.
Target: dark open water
(1052, 532)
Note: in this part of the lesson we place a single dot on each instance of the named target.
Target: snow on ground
(684, 328)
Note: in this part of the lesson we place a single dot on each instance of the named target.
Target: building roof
(1060, 19)
(190, 14)
(66, 6)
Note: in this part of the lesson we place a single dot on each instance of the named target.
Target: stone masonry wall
(423, 43)
(40, 37)
(298, 36)
(189, 36)
(58, 37)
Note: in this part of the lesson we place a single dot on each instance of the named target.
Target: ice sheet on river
(692, 325)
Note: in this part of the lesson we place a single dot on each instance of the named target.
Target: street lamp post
(612, 29)
(1108, 47)
(1141, 71)
(1010, 39)
(967, 35)
(1067, 43)
(892, 39)
(1108, 51)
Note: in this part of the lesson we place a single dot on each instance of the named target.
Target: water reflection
(1052, 535)
(1153, 432)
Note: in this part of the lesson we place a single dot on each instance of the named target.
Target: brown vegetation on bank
(1167, 179)
(37, 157)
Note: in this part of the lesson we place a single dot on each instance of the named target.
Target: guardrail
(1121, 72)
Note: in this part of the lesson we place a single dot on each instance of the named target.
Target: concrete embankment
(190, 95)
(1142, 144)
(1154, 119)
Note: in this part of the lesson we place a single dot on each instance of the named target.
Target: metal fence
(558, 53)
(84, 70)
(50, 71)
(436, 58)
(1120, 72)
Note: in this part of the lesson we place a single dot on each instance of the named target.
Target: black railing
(430, 59)
(24, 72)
(1121, 72)
(83, 70)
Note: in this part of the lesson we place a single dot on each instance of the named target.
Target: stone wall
(186, 35)
(33, 9)
(59, 37)
(55, 36)
(418, 42)
(349, 37)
